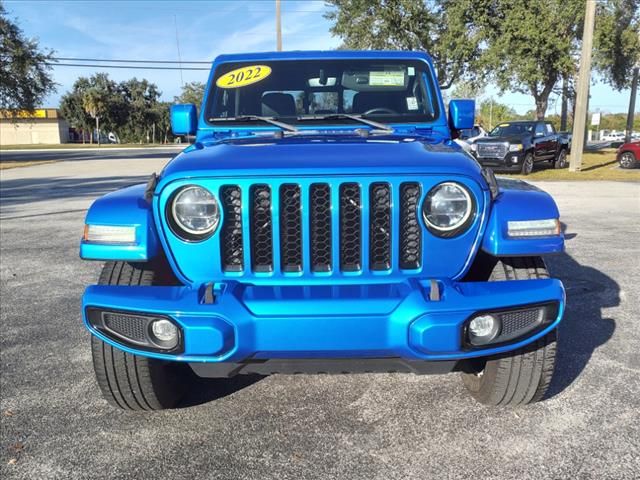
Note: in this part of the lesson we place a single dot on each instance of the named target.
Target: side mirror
(461, 114)
(184, 119)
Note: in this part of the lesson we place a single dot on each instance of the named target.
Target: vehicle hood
(506, 138)
(309, 155)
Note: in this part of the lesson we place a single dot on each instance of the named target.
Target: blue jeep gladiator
(322, 222)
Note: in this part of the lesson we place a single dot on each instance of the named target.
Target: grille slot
(410, 231)
(290, 228)
(231, 233)
(320, 227)
(350, 227)
(380, 226)
(261, 229)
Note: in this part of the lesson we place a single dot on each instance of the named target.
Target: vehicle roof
(323, 54)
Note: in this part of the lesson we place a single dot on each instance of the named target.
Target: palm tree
(94, 104)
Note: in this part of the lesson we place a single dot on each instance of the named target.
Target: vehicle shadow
(584, 327)
(206, 390)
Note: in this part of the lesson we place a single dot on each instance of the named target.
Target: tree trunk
(542, 97)
(563, 110)
(541, 107)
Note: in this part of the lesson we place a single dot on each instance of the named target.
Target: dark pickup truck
(517, 146)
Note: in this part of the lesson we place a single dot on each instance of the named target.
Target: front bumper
(511, 162)
(402, 320)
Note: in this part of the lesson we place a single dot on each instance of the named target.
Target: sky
(146, 30)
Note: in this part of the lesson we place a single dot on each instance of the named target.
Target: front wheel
(527, 164)
(133, 382)
(522, 376)
(627, 160)
(516, 378)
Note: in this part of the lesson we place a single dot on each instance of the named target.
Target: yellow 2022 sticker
(241, 77)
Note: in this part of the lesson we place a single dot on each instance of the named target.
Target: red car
(628, 154)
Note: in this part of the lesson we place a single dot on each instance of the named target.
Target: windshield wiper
(250, 118)
(355, 118)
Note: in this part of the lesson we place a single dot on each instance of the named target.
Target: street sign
(595, 119)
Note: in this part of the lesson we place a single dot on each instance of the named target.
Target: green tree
(141, 98)
(25, 77)
(443, 28)
(490, 113)
(96, 96)
(529, 45)
(617, 47)
(192, 92)
(466, 90)
(161, 110)
(72, 109)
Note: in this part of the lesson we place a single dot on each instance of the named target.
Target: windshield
(506, 129)
(308, 91)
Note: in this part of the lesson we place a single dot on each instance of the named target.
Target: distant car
(469, 135)
(517, 146)
(628, 155)
(613, 137)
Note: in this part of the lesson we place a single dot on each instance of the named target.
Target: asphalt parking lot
(56, 425)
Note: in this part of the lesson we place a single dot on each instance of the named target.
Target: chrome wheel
(527, 164)
(627, 160)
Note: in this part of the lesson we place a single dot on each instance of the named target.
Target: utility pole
(278, 28)
(632, 105)
(175, 21)
(582, 97)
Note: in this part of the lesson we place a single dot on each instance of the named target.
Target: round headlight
(448, 209)
(195, 212)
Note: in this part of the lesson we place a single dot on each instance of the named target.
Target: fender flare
(126, 207)
(518, 200)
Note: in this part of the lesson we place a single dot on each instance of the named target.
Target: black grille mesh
(261, 229)
(320, 225)
(290, 228)
(380, 226)
(231, 233)
(350, 227)
(410, 231)
(516, 321)
(127, 326)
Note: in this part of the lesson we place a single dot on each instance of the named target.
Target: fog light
(514, 159)
(164, 333)
(483, 329)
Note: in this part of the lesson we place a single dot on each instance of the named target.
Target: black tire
(523, 376)
(627, 160)
(561, 161)
(527, 164)
(133, 382)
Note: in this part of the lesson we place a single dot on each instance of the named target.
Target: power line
(138, 67)
(72, 59)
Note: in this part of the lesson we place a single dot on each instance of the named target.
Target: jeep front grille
(492, 150)
(336, 227)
